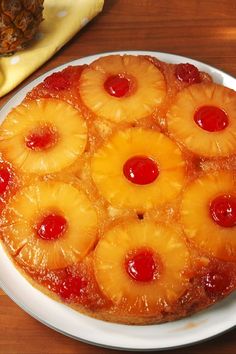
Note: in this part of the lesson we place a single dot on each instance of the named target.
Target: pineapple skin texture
(19, 22)
(181, 289)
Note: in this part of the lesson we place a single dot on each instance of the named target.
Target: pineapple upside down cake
(117, 183)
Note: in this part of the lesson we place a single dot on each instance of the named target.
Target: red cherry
(187, 73)
(117, 85)
(41, 140)
(216, 283)
(210, 118)
(71, 287)
(57, 81)
(5, 176)
(141, 170)
(223, 210)
(51, 227)
(141, 266)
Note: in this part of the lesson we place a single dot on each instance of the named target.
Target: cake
(118, 189)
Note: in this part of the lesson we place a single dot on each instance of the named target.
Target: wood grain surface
(201, 29)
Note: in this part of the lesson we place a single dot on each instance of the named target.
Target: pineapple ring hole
(143, 265)
(51, 227)
(141, 170)
(119, 85)
(223, 210)
(42, 138)
(211, 118)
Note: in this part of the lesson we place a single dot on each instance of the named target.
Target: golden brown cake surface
(118, 189)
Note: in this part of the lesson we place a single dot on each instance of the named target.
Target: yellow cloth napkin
(62, 19)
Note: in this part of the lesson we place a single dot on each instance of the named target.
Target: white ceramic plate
(199, 327)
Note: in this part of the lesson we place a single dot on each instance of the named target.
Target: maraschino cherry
(117, 85)
(51, 227)
(223, 210)
(211, 118)
(142, 266)
(42, 139)
(141, 170)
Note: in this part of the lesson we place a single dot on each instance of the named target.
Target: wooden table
(201, 29)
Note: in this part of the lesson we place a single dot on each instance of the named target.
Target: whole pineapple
(19, 21)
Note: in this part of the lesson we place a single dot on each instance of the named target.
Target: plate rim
(26, 88)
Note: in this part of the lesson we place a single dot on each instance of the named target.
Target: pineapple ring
(28, 207)
(197, 222)
(148, 92)
(137, 296)
(107, 169)
(65, 120)
(182, 126)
